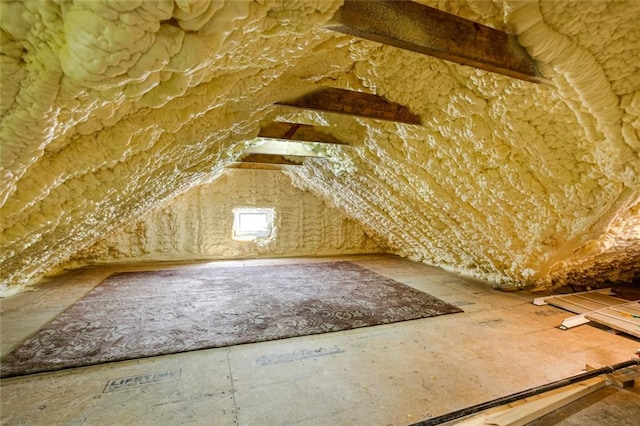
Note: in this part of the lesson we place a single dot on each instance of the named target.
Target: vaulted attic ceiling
(110, 109)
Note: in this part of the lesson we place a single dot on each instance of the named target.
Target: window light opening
(250, 224)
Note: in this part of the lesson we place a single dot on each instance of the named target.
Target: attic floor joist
(349, 102)
(412, 26)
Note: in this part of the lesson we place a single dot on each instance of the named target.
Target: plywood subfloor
(394, 374)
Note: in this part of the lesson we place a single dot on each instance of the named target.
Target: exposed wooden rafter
(297, 133)
(413, 26)
(256, 166)
(288, 160)
(348, 102)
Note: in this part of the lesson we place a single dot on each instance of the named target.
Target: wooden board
(413, 26)
(624, 378)
(625, 318)
(581, 303)
(289, 160)
(256, 166)
(529, 409)
(295, 132)
(539, 301)
(349, 102)
(619, 314)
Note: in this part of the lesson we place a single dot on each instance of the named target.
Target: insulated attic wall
(110, 109)
(198, 225)
(509, 181)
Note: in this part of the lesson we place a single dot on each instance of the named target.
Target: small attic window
(249, 224)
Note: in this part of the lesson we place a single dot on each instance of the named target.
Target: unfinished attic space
(320, 212)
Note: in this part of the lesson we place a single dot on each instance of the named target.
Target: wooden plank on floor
(529, 409)
(576, 305)
(619, 318)
(581, 303)
(535, 409)
(539, 301)
(419, 28)
(631, 309)
(606, 299)
(349, 102)
(622, 379)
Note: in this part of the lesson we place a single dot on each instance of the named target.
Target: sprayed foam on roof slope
(508, 181)
(121, 106)
(110, 109)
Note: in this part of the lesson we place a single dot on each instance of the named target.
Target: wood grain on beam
(412, 26)
(288, 160)
(354, 103)
(256, 166)
(297, 133)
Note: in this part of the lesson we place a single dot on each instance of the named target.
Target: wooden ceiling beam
(288, 160)
(348, 102)
(294, 132)
(255, 166)
(413, 26)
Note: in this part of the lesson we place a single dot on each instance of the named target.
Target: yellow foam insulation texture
(111, 109)
(198, 225)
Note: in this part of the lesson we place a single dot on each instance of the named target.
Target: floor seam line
(233, 388)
